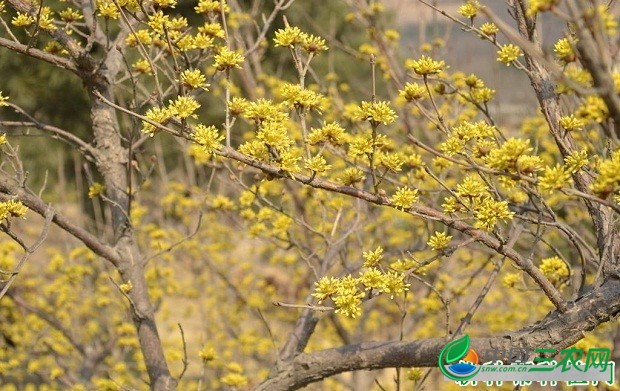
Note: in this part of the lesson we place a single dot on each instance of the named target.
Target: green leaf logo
(452, 353)
(456, 349)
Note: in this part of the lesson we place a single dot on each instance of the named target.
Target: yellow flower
(209, 7)
(506, 156)
(95, 190)
(289, 36)
(482, 95)
(3, 100)
(332, 133)
(141, 36)
(126, 287)
(234, 380)
(471, 187)
(535, 6)
(159, 22)
(165, 3)
(576, 160)
(142, 66)
(55, 48)
(563, 50)
(317, 164)
(70, 15)
(108, 9)
(12, 208)
(470, 9)
(489, 212)
(439, 240)
(412, 91)
(404, 198)
(351, 176)
(325, 287)
(207, 354)
(425, 66)
(511, 279)
(554, 178)
(22, 20)
(377, 112)
(608, 178)
(46, 22)
(508, 53)
(555, 270)
(371, 258)
(489, 29)
(193, 78)
(208, 137)
(295, 95)
(570, 122)
(349, 299)
(2, 139)
(372, 278)
(594, 109)
(227, 59)
(314, 44)
(202, 41)
(183, 106)
(156, 114)
(214, 30)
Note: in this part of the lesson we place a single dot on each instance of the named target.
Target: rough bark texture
(556, 331)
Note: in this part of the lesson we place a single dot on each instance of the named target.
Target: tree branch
(556, 331)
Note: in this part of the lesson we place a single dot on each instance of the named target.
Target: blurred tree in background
(244, 195)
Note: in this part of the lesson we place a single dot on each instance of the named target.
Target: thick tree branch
(39, 54)
(12, 191)
(556, 331)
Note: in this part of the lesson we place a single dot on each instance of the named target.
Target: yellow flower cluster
(331, 133)
(439, 240)
(211, 7)
(473, 194)
(351, 176)
(570, 122)
(227, 59)
(291, 36)
(3, 100)
(594, 109)
(317, 164)
(347, 292)
(464, 132)
(555, 270)
(298, 97)
(404, 198)
(413, 91)
(208, 137)
(193, 78)
(22, 20)
(95, 190)
(576, 160)
(535, 6)
(371, 258)
(489, 28)
(425, 66)
(376, 112)
(470, 9)
(12, 208)
(508, 53)
(563, 50)
(510, 153)
(490, 211)
(554, 178)
(608, 179)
